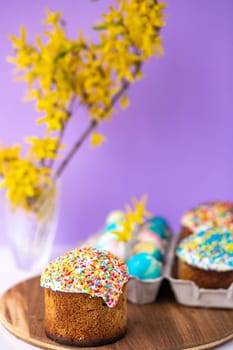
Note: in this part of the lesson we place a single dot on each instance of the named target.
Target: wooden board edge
(20, 335)
(50, 346)
(212, 344)
(33, 341)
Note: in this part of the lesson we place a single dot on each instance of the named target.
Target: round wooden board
(163, 325)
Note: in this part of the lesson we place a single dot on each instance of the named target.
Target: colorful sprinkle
(208, 250)
(208, 216)
(87, 270)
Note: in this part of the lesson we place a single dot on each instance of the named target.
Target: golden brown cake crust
(185, 232)
(204, 278)
(81, 320)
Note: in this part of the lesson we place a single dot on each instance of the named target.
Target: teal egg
(160, 221)
(144, 266)
(158, 225)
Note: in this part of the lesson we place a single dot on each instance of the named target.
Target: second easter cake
(209, 215)
(206, 258)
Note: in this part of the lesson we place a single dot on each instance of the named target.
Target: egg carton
(186, 292)
(146, 291)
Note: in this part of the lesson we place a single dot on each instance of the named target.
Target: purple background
(173, 143)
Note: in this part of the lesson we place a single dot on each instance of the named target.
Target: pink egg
(109, 242)
(149, 236)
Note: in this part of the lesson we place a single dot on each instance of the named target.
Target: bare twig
(74, 149)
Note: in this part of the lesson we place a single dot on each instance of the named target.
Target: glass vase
(31, 234)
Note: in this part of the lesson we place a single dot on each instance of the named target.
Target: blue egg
(144, 266)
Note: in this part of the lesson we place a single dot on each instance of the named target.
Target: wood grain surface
(163, 325)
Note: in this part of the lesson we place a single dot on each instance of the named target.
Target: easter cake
(206, 258)
(85, 298)
(206, 216)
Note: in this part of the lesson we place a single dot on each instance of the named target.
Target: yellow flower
(97, 139)
(132, 219)
(24, 181)
(7, 155)
(140, 209)
(62, 74)
(19, 42)
(124, 102)
(63, 68)
(46, 148)
(126, 231)
(52, 17)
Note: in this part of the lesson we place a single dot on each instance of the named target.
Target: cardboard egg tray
(186, 292)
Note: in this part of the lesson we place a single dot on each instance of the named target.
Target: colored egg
(159, 221)
(157, 229)
(150, 248)
(114, 217)
(149, 236)
(110, 243)
(113, 226)
(159, 225)
(144, 266)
